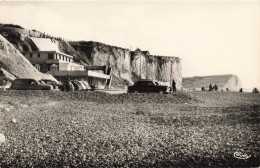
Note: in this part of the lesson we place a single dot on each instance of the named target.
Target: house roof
(45, 44)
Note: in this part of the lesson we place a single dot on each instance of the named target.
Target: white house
(42, 60)
(48, 59)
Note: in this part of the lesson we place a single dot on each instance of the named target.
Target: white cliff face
(118, 59)
(232, 82)
(130, 67)
(176, 73)
(162, 69)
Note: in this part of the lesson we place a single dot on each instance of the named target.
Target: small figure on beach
(173, 86)
(255, 90)
(203, 89)
(241, 90)
(210, 87)
(216, 87)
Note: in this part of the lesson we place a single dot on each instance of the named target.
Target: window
(30, 55)
(50, 56)
(140, 83)
(150, 83)
(144, 83)
(39, 55)
(20, 81)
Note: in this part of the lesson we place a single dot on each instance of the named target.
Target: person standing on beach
(210, 87)
(216, 87)
(255, 90)
(173, 86)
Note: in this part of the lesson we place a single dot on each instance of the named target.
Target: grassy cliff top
(11, 25)
(95, 44)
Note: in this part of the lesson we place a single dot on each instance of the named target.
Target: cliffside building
(43, 60)
(100, 76)
(63, 67)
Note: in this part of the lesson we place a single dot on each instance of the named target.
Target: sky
(211, 38)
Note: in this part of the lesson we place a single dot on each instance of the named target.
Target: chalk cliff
(232, 82)
(128, 66)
